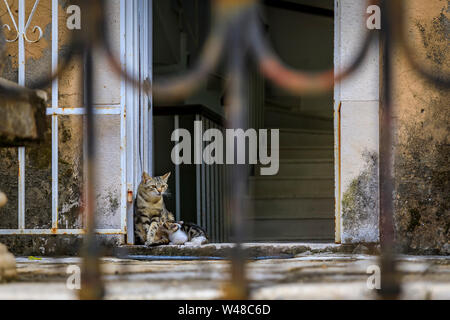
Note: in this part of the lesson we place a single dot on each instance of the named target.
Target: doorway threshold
(252, 250)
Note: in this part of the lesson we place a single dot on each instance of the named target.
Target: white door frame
(136, 55)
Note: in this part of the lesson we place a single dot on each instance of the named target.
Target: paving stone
(317, 276)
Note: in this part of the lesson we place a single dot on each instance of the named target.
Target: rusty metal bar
(389, 279)
(91, 282)
(236, 117)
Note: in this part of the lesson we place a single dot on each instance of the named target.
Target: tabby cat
(150, 210)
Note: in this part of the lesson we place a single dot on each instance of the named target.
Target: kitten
(176, 235)
(165, 233)
(150, 210)
(186, 233)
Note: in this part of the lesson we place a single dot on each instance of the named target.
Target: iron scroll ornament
(16, 28)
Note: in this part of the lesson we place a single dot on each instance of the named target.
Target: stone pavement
(325, 274)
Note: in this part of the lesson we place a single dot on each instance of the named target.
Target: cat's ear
(145, 176)
(166, 176)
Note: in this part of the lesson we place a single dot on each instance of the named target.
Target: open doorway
(297, 204)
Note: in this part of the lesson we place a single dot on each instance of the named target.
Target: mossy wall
(360, 204)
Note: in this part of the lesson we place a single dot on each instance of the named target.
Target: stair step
(292, 230)
(305, 167)
(292, 208)
(291, 186)
(306, 152)
(301, 137)
(278, 118)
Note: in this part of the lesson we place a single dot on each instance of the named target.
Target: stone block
(22, 114)
(7, 264)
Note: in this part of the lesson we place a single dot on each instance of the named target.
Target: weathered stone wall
(422, 151)
(70, 162)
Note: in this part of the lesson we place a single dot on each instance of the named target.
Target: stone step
(292, 207)
(224, 250)
(274, 186)
(312, 152)
(301, 137)
(305, 167)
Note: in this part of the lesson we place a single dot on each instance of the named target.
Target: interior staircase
(297, 204)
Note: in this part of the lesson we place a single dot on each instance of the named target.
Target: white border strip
(57, 231)
(198, 180)
(21, 150)
(123, 124)
(55, 93)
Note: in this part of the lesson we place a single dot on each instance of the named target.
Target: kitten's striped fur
(183, 233)
(150, 210)
(193, 231)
